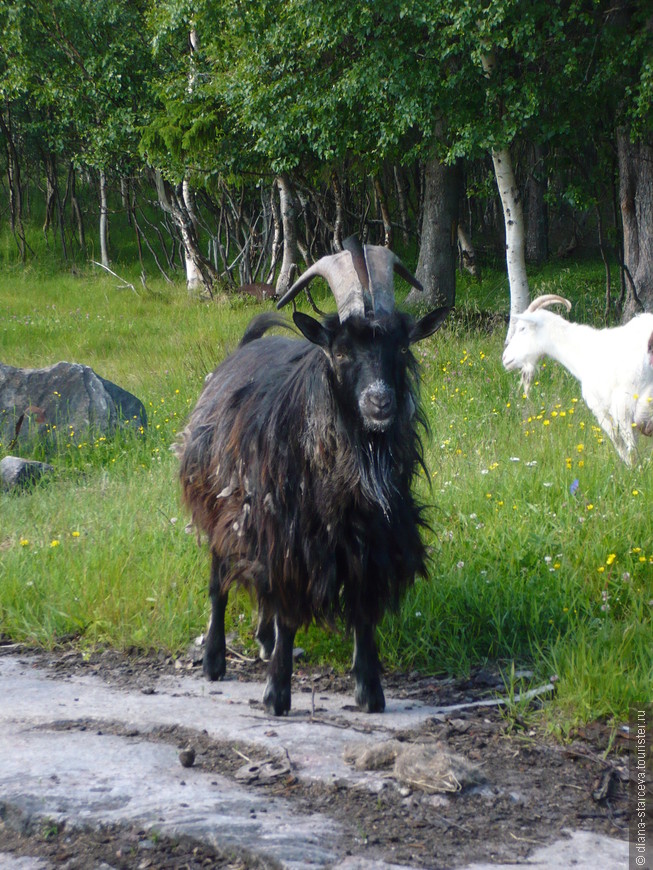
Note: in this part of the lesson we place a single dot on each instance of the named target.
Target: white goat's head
(528, 342)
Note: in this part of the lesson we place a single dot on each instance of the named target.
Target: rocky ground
(531, 788)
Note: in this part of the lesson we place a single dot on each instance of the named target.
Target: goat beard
(385, 467)
(527, 375)
(376, 475)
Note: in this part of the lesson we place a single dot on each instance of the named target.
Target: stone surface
(79, 752)
(65, 397)
(17, 473)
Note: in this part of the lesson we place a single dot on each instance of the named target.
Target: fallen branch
(107, 269)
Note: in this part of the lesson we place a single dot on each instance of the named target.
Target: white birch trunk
(193, 275)
(194, 281)
(104, 222)
(289, 225)
(513, 217)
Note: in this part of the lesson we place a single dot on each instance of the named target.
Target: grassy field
(542, 540)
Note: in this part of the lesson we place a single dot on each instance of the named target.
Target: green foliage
(540, 542)
(74, 74)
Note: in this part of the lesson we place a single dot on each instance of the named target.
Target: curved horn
(381, 264)
(337, 270)
(360, 277)
(353, 245)
(548, 299)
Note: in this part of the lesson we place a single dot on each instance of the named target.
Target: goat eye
(404, 349)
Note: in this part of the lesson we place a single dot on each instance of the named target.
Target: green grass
(541, 542)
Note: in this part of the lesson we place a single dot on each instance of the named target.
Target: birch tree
(513, 215)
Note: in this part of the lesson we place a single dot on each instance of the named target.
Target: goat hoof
(214, 666)
(276, 701)
(370, 698)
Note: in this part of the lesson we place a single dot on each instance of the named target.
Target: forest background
(210, 145)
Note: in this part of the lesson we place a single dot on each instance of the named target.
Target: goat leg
(265, 632)
(277, 691)
(368, 693)
(215, 650)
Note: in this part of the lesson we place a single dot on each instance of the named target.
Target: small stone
(187, 757)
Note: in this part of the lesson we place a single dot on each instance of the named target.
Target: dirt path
(92, 774)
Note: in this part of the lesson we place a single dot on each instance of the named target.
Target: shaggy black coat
(302, 500)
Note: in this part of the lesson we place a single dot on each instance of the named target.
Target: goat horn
(337, 271)
(353, 245)
(381, 264)
(548, 299)
(374, 266)
(360, 277)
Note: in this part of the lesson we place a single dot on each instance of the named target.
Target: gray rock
(65, 397)
(17, 473)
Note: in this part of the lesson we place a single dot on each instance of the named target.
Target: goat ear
(312, 329)
(428, 324)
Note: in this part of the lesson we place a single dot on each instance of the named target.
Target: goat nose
(378, 405)
(382, 401)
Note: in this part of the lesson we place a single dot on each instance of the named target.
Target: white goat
(614, 366)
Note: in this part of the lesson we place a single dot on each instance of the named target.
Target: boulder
(39, 403)
(17, 473)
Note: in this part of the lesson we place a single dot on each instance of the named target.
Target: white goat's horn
(548, 299)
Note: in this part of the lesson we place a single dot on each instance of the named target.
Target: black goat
(298, 462)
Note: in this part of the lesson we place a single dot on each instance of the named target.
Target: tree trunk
(74, 204)
(636, 203)
(339, 222)
(50, 191)
(289, 225)
(173, 203)
(104, 222)
(466, 253)
(537, 220)
(383, 209)
(277, 236)
(194, 281)
(402, 200)
(15, 188)
(436, 265)
(513, 218)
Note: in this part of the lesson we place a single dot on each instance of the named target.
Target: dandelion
(75, 534)
(590, 507)
(24, 542)
(54, 543)
(611, 558)
(635, 492)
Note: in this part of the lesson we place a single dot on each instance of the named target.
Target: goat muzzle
(378, 406)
